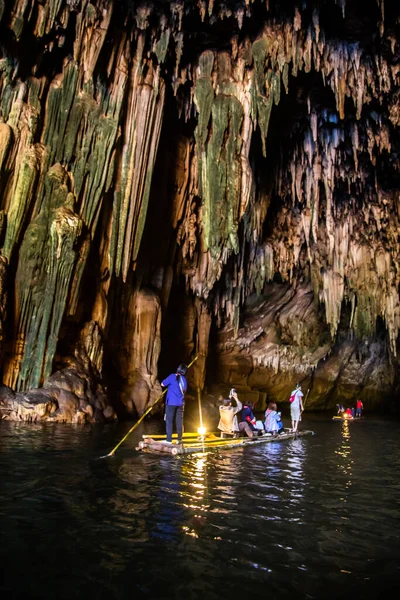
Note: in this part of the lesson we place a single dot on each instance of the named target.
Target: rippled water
(315, 517)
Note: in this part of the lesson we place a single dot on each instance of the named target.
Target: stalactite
(43, 277)
(148, 110)
(342, 69)
(80, 129)
(5, 140)
(21, 197)
(3, 299)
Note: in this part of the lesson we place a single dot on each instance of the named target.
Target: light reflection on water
(195, 471)
(344, 454)
(311, 518)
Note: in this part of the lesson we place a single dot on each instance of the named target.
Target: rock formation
(212, 178)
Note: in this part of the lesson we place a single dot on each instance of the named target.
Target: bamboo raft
(192, 443)
(339, 418)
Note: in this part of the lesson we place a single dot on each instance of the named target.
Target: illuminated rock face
(284, 341)
(205, 178)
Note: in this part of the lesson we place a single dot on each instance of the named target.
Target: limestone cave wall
(204, 178)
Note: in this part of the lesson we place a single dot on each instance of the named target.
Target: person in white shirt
(296, 406)
(228, 422)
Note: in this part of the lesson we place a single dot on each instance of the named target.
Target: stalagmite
(140, 344)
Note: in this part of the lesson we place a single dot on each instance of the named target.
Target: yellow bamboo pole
(200, 416)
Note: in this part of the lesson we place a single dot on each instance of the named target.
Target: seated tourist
(273, 422)
(228, 421)
(348, 412)
(249, 423)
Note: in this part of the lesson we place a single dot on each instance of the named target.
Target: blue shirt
(247, 414)
(175, 394)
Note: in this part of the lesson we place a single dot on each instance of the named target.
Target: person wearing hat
(177, 386)
(296, 406)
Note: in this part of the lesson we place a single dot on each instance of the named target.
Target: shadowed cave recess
(204, 178)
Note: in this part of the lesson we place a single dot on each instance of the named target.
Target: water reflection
(195, 494)
(268, 517)
(167, 506)
(228, 476)
(45, 437)
(297, 454)
(344, 452)
(129, 502)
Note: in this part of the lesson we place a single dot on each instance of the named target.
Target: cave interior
(212, 179)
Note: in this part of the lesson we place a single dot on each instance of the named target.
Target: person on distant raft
(296, 406)
(359, 408)
(228, 421)
(273, 422)
(177, 386)
(348, 413)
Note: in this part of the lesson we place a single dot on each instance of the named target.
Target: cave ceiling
(182, 173)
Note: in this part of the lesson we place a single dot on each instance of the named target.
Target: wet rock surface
(283, 341)
(70, 395)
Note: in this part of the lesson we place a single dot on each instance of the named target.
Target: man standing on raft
(296, 406)
(177, 386)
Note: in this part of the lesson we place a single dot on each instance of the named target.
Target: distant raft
(339, 418)
(212, 442)
(347, 418)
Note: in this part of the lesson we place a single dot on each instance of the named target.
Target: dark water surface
(315, 517)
